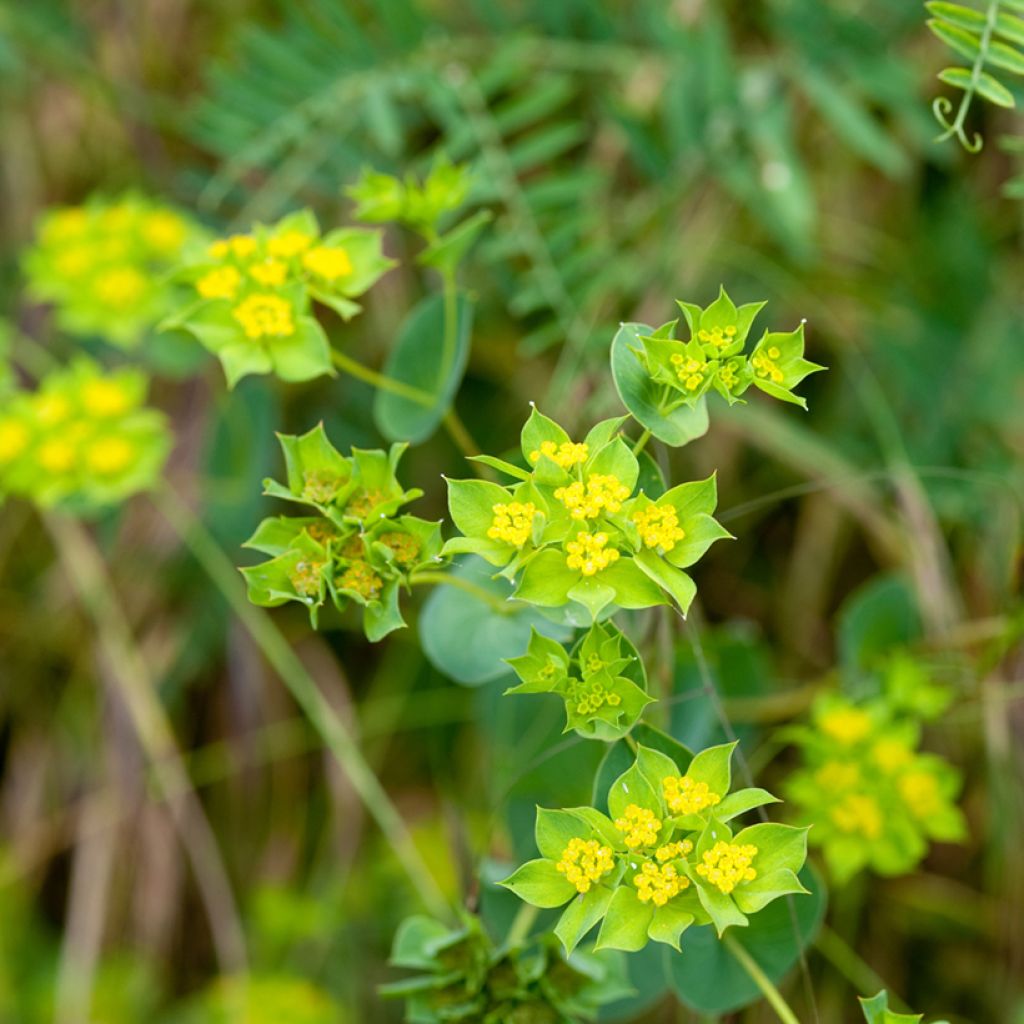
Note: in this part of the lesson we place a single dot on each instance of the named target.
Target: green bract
(355, 548)
(105, 265)
(574, 528)
(714, 357)
(873, 800)
(662, 858)
(255, 294)
(876, 1011)
(465, 977)
(82, 438)
(603, 682)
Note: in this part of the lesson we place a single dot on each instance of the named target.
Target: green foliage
(876, 1011)
(603, 682)
(82, 438)
(990, 41)
(465, 977)
(356, 549)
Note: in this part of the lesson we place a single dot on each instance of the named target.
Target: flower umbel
(584, 862)
(513, 523)
(566, 455)
(684, 796)
(658, 885)
(659, 527)
(639, 826)
(725, 865)
(603, 492)
(265, 316)
(589, 553)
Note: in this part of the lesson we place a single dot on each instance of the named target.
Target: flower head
(584, 862)
(639, 826)
(726, 865)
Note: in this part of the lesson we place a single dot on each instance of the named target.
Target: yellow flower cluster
(589, 697)
(846, 725)
(328, 262)
(361, 579)
(659, 527)
(684, 796)
(222, 283)
(718, 336)
(589, 553)
(858, 814)
(727, 375)
(305, 578)
(672, 851)
(765, 365)
(658, 885)
(689, 370)
(639, 826)
(265, 316)
(566, 455)
(603, 492)
(584, 862)
(362, 503)
(512, 523)
(289, 243)
(726, 865)
(404, 546)
(920, 792)
(320, 486)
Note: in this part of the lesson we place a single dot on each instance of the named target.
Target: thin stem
(519, 930)
(307, 695)
(380, 381)
(130, 672)
(761, 980)
(641, 441)
(502, 606)
(857, 971)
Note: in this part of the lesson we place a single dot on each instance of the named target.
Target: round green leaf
(709, 979)
(467, 638)
(418, 359)
(640, 395)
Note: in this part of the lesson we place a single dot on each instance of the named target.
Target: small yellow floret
(306, 577)
(512, 523)
(673, 851)
(74, 262)
(658, 885)
(14, 438)
(727, 375)
(726, 865)
(684, 796)
(328, 262)
(289, 243)
(566, 455)
(690, 371)
(589, 553)
(218, 250)
(659, 527)
(265, 316)
(584, 862)
(102, 397)
(858, 814)
(603, 492)
(109, 455)
(57, 455)
(718, 336)
(120, 286)
(891, 754)
(269, 273)
(404, 546)
(242, 246)
(163, 230)
(222, 283)
(920, 792)
(639, 826)
(361, 579)
(765, 365)
(846, 725)
(66, 224)
(835, 776)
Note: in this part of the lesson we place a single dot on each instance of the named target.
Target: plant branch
(761, 980)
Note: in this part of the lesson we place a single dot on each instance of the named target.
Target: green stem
(857, 971)
(307, 695)
(641, 441)
(519, 930)
(761, 980)
(130, 673)
(446, 579)
(380, 381)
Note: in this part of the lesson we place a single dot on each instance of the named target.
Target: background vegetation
(632, 153)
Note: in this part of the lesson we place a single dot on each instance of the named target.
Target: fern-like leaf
(988, 39)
